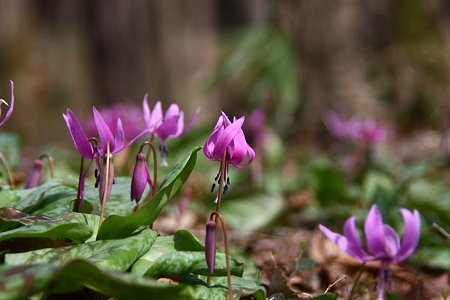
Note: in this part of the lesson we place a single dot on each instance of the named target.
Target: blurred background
(297, 60)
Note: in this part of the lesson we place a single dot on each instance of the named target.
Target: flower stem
(76, 207)
(355, 284)
(12, 182)
(105, 189)
(51, 163)
(217, 215)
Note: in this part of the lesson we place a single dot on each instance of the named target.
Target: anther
(225, 189)
(213, 187)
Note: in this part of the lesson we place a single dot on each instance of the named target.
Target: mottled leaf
(111, 254)
(74, 226)
(180, 254)
(119, 226)
(21, 282)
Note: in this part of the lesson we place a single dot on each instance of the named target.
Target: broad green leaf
(219, 291)
(111, 254)
(29, 198)
(74, 226)
(180, 254)
(120, 226)
(21, 282)
(328, 183)
(252, 212)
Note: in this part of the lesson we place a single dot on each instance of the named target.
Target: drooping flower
(383, 243)
(210, 245)
(141, 176)
(355, 130)
(169, 126)
(11, 105)
(255, 127)
(227, 144)
(35, 177)
(116, 142)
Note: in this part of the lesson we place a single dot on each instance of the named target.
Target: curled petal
(11, 105)
(103, 130)
(411, 233)
(374, 231)
(392, 240)
(78, 136)
(354, 246)
(180, 125)
(192, 120)
(340, 240)
(119, 137)
(226, 137)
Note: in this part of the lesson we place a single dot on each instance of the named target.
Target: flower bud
(34, 179)
(140, 178)
(210, 245)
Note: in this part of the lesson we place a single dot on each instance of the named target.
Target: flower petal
(411, 233)
(392, 240)
(226, 137)
(103, 130)
(11, 105)
(78, 136)
(339, 240)
(374, 231)
(192, 120)
(354, 247)
(119, 137)
(168, 127)
(157, 115)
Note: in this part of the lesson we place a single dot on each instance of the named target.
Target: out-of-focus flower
(169, 126)
(141, 176)
(129, 114)
(356, 130)
(255, 127)
(228, 136)
(11, 105)
(35, 177)
(210, 245)
(383, 243)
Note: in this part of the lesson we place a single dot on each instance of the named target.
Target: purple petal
(374, 231)
(11, 105)
(392, 240)
(354, 247)
(157, 115)
(34, 179)
(146, 110)
(411, 233)
(103, 130)
(336, 238)
(226, 137)
(168, 127)
(172, 111)
(139, 179)
(180, 126)
(192, 120)
(78, 136)
(119, 137)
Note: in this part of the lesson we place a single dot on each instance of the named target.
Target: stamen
(213, 187)
(228, 180)
(225, 189)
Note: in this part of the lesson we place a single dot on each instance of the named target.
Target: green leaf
(252, 212)
(21, 282)
(29, 198)
(74, 226)
(118, 226)
(111, 254)
(241, 287)
(180, 254)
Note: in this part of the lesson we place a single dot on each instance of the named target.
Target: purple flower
(355, 130)
(169, 126)
(210, 245)
(383, 243)
(115, 139)
(228, 136)
(129, 114)
(255, 127)
(141, 176)
(34, 179)
(11, 105)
